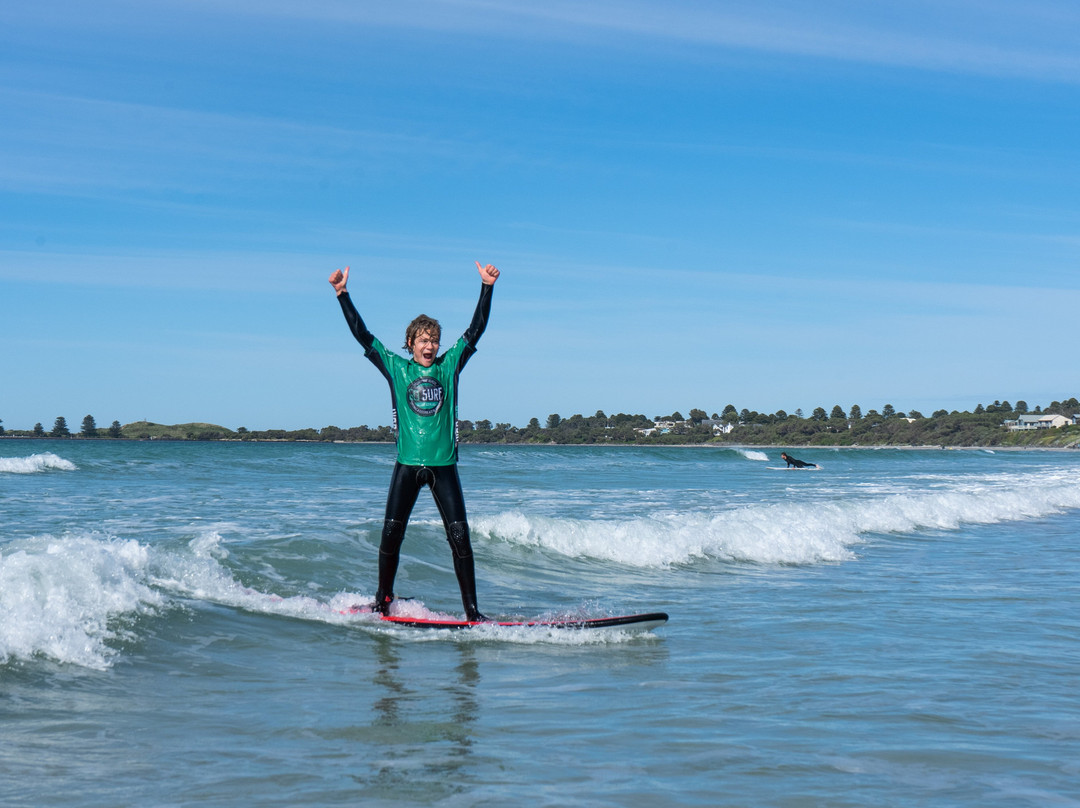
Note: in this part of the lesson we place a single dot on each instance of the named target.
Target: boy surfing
(423, 390)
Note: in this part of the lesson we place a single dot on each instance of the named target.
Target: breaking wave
(786, 532)
(77, 599)
(753, 454)
(72, 599)
(46, 461)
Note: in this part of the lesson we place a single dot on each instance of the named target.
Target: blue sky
(777, 205)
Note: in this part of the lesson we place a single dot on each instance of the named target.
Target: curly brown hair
(418, 326)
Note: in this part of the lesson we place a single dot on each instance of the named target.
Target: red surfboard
(629, 622)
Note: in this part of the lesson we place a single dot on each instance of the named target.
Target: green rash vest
(424, 400)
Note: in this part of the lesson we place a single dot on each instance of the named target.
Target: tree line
(60, 429)
(984, 426)
(836, 427)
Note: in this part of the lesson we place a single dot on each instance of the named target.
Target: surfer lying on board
(423, 391)
(799, 464)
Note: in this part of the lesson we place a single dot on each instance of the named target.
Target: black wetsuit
(799, 464)
(424, 402)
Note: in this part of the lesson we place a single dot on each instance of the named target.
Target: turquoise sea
(898, 628)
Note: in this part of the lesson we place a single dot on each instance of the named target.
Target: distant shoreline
(992, 427)
(802, 448)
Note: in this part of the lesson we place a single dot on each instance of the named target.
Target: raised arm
(339, 280)
(488, 276)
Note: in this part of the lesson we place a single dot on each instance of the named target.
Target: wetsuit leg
(404, 489)
(458, 535)
(446, 488)
(389, 554)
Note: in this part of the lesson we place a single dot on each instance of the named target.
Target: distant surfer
(799, 464)
(423, 390)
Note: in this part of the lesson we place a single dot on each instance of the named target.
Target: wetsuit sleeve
(372, 347)
(480, 316)
(356, 322)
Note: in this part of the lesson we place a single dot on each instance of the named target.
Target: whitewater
(896, 628)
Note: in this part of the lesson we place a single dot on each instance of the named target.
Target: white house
(718, 427)
(1045, 421)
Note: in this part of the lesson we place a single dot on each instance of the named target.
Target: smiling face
(424, 347)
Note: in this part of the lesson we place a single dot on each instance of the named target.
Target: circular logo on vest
(425, 396)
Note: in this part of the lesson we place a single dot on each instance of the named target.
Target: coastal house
(665, 427)
(1044, 421)
(662, 427)
(718, 426)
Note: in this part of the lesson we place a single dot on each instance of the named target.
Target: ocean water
(898, 628)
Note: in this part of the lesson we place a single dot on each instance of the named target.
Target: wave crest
(46, 461)
(68, 599)
(753, 454)
(781, 533)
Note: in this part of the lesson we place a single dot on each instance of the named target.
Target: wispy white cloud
(1039, 40)
(58, 142)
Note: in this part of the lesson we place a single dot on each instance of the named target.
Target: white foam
(804, 532)
(46, 461)
(74, 598)
(200, 576)
(753, 454)
(67, 599)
